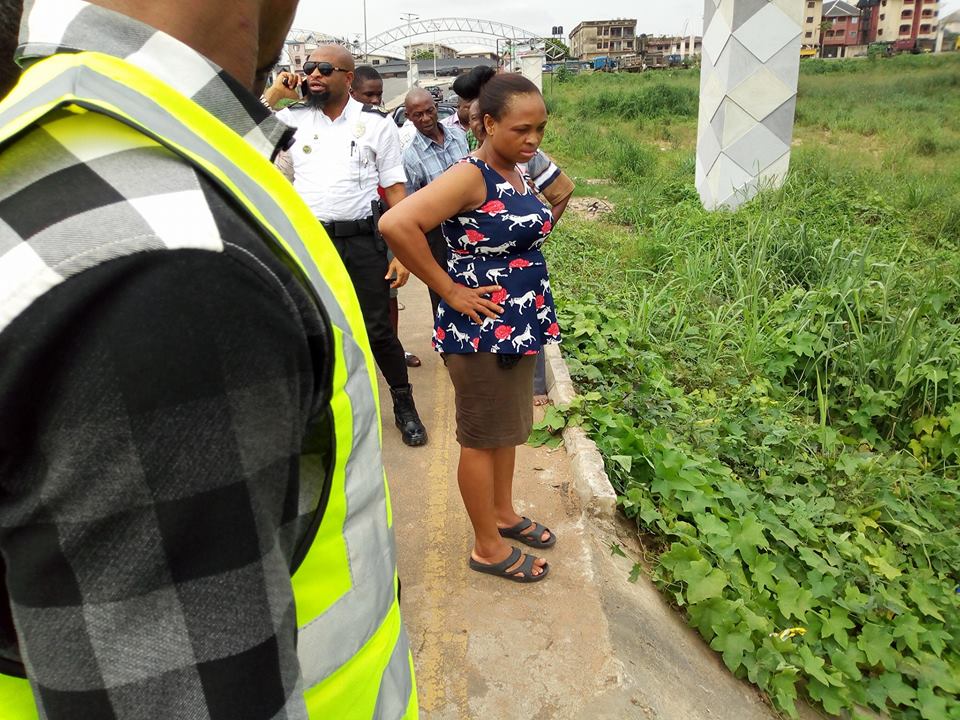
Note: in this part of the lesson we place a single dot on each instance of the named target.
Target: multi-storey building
(909, 24)
(843, 36)
(442, 52)
(812, 17)
(674, 45)
(597, 38)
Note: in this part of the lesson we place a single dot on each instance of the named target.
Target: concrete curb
(590, 481)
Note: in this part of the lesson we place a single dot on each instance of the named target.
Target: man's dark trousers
(365, 258)
(438, 248)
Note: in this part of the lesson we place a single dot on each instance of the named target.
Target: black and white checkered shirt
(163, 431)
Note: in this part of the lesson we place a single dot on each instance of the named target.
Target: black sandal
(500, 569)
(530, 538)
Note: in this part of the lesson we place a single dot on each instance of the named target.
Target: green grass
(776, 391)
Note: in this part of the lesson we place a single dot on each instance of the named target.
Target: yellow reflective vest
(354, 654)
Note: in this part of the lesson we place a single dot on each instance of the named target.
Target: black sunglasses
(324, 68)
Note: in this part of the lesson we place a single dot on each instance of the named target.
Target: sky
(657, 17)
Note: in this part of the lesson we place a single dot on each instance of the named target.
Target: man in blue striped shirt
(433, 149)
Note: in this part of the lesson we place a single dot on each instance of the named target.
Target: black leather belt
(348, 228)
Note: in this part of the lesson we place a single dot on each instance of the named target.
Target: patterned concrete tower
(748, 96)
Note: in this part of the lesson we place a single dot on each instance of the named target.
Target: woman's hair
(468, 86)
(497, 93)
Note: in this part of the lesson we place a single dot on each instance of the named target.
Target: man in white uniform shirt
(341, 152)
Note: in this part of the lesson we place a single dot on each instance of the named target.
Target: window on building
(628, 44)
(883, 16)
(925, 29)
(906, 14)
(853, 21)
(904, 29)
(810, 19)
(853, 33)
(296, 60)
(809, 34)
(879, 31)
(375, 62)
(810, 3)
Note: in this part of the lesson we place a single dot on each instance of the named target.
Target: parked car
(448, 72)
(435, 91)
(443, 111)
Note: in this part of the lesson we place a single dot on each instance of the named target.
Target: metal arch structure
(475, 26)
(311, 37)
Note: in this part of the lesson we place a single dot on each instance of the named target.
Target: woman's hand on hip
(472, 303)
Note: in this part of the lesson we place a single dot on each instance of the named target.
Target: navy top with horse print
(499, 244)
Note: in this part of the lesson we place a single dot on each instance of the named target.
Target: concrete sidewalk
(585, 643)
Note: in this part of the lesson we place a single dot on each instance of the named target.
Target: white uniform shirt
(338, 164)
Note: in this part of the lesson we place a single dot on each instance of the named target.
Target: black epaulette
(374, 109)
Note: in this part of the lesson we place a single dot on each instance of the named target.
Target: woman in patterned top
(497, 311)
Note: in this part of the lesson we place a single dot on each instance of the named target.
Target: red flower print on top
(499, 297)
(547, 227)
(540, 301)
(519, 264)
(476, 343)
(553, 330)
(494, 207)
(532, 352)
(441, 334)
(462, 252)
(503, 332)
(474, 237)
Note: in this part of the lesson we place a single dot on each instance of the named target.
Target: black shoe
(405, 414)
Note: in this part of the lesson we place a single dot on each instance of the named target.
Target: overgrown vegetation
(776, 391)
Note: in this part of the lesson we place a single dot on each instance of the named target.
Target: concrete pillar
(531, 67)
(750, 65)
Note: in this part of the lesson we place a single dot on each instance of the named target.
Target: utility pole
(365, 58)
(434, 52)
(409, 17)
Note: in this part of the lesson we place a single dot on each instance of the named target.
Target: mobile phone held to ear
(303, 89)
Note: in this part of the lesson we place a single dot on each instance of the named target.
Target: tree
(824, 26)
(423, 55)
(555, 49)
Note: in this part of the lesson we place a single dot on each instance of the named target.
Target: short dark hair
(364, 73)
(10, 12)
(468, 86)
(496, 95)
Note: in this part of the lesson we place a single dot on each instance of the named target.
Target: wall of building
(812, 17)
(597, 38)
(906, 22)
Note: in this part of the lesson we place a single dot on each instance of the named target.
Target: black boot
(405, 415)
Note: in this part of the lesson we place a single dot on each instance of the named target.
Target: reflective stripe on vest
(345, 589)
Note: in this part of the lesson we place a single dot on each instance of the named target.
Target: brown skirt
(494, 404)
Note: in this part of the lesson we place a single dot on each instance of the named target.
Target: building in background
(598, 38)
(812, 17)
(673, 45)
(442, 51)
(909, 24)
(948, 38)
(842, 38)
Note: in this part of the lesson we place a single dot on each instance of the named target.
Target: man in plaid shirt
(164, 393)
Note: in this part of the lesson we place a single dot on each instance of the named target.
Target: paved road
(583, 644)
(395, 89)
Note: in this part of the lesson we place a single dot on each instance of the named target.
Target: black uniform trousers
(365, 257)
(438, 248)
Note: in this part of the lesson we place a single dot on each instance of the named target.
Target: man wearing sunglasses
(344, 150)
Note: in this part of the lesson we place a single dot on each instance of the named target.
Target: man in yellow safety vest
(194, 518)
